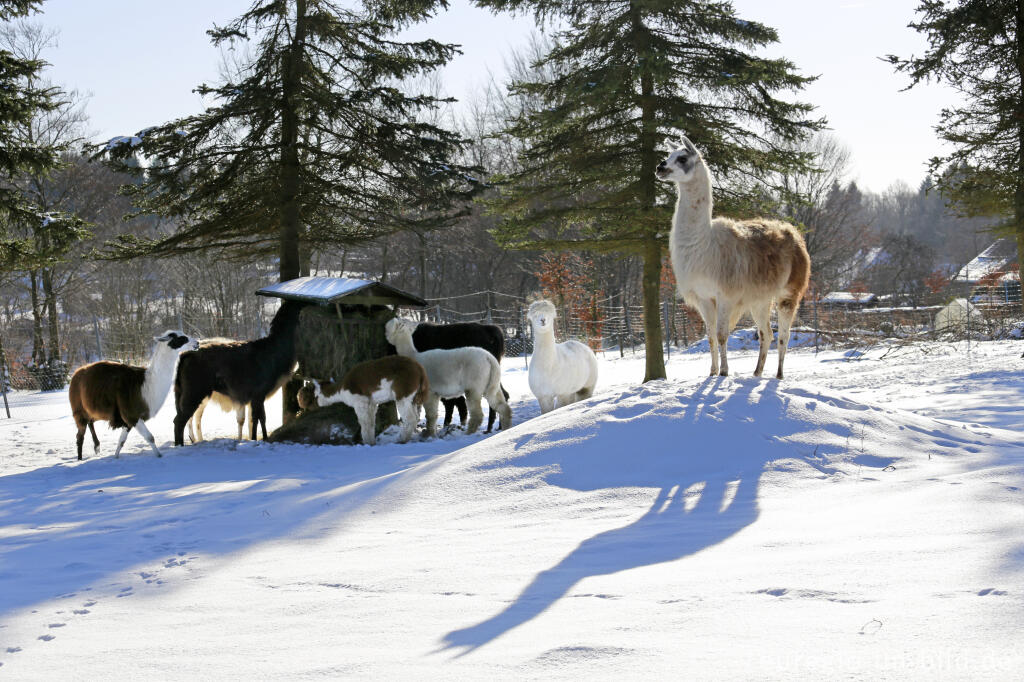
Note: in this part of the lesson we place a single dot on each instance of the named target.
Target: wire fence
(605, 325)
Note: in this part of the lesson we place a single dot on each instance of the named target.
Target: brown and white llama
(123, 395)
(375, 382)
(726, 267)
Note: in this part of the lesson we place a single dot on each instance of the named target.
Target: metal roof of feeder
(331, 290)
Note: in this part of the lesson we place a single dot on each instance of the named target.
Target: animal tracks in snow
(787, 593)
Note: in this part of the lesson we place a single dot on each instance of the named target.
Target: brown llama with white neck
(726, 267)
(125, 396)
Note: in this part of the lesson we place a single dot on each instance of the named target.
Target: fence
(605, 325)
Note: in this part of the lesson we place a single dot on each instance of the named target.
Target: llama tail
(423, 390)
(494, 391)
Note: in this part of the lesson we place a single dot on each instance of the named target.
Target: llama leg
(259, 416)
(367, 414)
(787, 311)
(460, 405)
(547, 403)
(762, 319)
(567, 399)
(408, 413)
(430, 407)
(186, 404)
(240, 419)
(449, 409)
(120, 441)
(499, 401)
(80, 436)
(724, 315)
(197, 418)
(476, 413)
(95, 440)
(140, 426)
(706, 308)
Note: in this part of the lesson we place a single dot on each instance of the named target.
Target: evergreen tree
(24, 98)
(312, 143)
(976, 47)
(624, 76)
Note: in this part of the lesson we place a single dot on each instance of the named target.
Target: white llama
(468, 371)
(564, 371)
(726, 267)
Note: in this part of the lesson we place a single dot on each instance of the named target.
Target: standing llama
(726, 267)
(468, 371)
(374, 382)
(458, 335)
(564, 371)
(125, 396)
(219, 399)
(244, 371)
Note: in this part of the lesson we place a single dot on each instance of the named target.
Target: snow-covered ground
(863, 519)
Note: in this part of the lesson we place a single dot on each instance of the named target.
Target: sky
(139, 60)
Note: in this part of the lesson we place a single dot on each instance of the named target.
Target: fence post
(814, 293)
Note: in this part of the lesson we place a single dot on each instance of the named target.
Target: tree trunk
(51, 314)
(655, 367)
(290, 165)
(1018, 198)
(38, 348)
(290, 266)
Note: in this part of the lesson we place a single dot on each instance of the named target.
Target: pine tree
(625, 76)
(312, 143)
(975, 46)
(29, 236)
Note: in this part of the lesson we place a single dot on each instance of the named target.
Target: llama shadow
(94, 525)
(705, 502)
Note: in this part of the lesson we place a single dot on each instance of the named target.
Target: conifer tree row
(313, 142)
(977, 48)
(627, 76)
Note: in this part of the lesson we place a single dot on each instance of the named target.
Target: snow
(847, 297)
(317, 288)
(995, 259)
(861, 519)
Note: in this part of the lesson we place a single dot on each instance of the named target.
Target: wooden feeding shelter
(342, 326)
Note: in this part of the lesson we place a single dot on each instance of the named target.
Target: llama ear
(687, 144)
(166, 337)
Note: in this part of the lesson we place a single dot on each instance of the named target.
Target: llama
(244, 371)
(458, 335)
(219, 399)
(564, 371)
(468, 371)
(125, 396)
(373, 382)
(726, 267)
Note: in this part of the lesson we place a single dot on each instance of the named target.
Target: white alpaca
(373, 383)
(726, 267)
(564, 371)
(468, 371)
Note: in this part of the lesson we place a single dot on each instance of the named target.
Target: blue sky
(140, 60)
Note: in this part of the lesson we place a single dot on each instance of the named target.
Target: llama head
(397, 327)
(542, 315)
(177, 341)
(681, 164)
